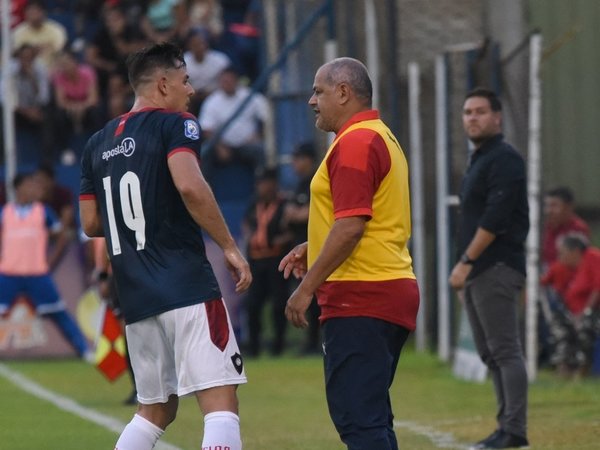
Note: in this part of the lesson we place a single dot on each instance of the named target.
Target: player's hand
(295, 310)
(239, 269)
(459, 275)
(295, 262)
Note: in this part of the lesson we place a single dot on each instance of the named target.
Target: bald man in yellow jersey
(356, 259)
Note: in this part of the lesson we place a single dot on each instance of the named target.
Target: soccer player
(142, 188)
(357, 257)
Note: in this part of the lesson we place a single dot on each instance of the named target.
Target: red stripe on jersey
(121, 125)
(395, 301)
(217, 323)
(368, 212)
(87, 196)
(179, 150)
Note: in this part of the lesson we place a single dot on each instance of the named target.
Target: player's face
(324, 103)
(479, 121)
(180, 89)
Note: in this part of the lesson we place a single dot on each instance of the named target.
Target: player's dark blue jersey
(155, 247)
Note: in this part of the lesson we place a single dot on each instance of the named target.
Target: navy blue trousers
(361, 356)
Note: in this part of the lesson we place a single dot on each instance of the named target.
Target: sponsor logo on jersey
(238, 363)
(126, 147)
(191, 129)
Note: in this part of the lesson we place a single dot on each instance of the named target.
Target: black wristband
(466, 260)
(102, 276)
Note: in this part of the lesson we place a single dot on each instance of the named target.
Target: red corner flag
(111, 347)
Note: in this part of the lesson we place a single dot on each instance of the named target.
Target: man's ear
(163, 85)
(343, 91)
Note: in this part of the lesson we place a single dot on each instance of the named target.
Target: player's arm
(202, 206)
(90, 218)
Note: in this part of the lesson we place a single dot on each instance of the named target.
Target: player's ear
(163, 85)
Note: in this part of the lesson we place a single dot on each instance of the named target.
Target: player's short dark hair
(575, 241)
(491, 96)
(563, 193)
(142, 64)
(354, 73)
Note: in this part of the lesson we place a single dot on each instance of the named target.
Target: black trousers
(268, 284)
(361, 356)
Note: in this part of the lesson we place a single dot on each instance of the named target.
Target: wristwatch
(466, 260)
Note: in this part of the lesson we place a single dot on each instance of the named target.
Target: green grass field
(283, 407)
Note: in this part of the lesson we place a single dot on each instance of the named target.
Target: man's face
(556, 211)
(34, 15)
(324, 103)
(570, 258)
(229, 82)
(180, 89)
(479, 121)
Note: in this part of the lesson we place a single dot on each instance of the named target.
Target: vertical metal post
(372, 44)
(417, 191)
(534, 156)
(443, 238)
(8, 107)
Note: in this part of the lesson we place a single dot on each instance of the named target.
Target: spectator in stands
(204, 66)
(77, 102)
(242, 140)
(26, 225)
(163, 20)
(560, 219)
(47, 36)
(304, 159)
(268, 241)
(579, 292)
(30, 83)
(205, 14)
(107, 51)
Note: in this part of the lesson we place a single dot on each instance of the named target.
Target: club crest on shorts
(191, 129)
(238, 363)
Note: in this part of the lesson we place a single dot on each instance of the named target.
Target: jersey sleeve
(86, 184)
(182, 134)
(356, 167)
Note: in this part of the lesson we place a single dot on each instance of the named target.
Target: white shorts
(183, 351)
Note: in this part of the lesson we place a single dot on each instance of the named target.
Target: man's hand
(295, 262)
(459, 275)
(239, 269)
(295, 310)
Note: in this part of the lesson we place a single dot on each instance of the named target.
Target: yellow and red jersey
(365, 173)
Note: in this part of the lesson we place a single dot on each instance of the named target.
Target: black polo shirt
(494, 197)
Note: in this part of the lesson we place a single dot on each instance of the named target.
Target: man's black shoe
(502, 439)
(483, 443)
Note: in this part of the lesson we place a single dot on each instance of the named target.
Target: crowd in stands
(69, 74)
(68, 68)
(570, 319)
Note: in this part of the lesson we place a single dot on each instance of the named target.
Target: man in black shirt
(491, 269)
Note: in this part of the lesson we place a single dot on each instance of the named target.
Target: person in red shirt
(577, 283)
(560, 219)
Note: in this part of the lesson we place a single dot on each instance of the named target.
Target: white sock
(139, 434)
(222, 431)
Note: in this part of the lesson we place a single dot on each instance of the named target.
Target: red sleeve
(356, 167)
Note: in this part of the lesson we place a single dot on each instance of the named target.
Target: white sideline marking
(440, 439)
(69, 405)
